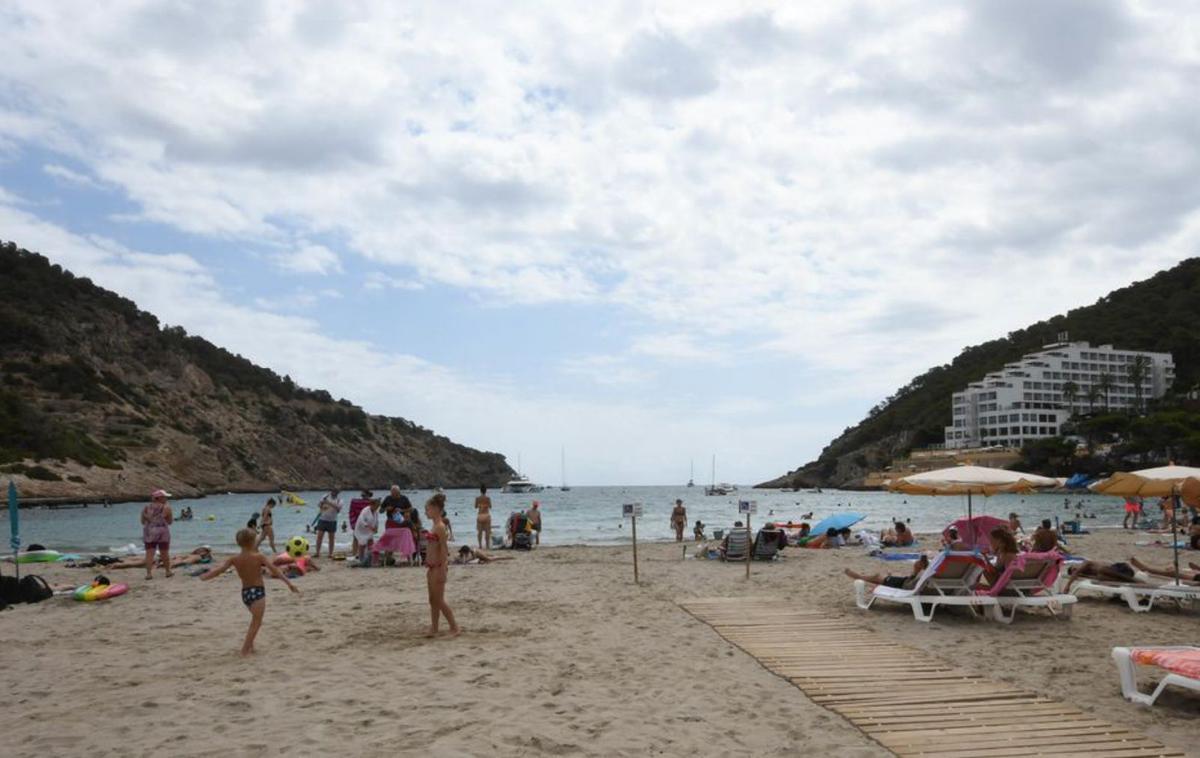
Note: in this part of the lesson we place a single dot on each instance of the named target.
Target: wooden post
(635, 566)
(749, 545)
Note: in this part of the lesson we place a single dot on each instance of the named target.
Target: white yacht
(521, 484)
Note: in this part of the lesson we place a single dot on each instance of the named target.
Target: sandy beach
(561, 655)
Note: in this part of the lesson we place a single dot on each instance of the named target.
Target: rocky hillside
(1159, 313)
(97, 399)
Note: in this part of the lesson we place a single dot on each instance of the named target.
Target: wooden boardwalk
(909, 702)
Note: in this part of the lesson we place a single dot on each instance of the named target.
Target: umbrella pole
(1174, 530)
(970, 520)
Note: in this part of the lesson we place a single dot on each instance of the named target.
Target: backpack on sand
(33, 589)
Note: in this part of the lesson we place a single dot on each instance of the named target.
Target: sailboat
(564, 486)
(718, 489)
(692, 474)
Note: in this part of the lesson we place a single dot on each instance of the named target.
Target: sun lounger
(1028, 582)
(1140, 597)
(737, 543)
(1181, 663)
(766, 545)
(950, 579)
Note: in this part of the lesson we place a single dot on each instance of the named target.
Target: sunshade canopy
(1153, 482)
(969, 480)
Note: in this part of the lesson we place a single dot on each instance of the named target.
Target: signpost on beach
(631, 511)
(747, 508)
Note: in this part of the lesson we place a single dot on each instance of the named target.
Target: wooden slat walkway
(908, 701)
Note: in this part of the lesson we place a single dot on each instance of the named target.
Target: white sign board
(749, 507)
(631, 510)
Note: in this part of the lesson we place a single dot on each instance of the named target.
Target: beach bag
(10, 591)
(34, 589)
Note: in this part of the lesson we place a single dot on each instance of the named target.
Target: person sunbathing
(1192, 578)
(829, 540)
(891, 580)
(1044, 539)
(1121, 572)
(898, 536)
(202, 554)
(470, 555)
(1004, 550)
(951, 541)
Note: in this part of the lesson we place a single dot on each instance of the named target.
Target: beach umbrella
(1175, 482)
(14, 524)
(837, 521)
(969, 481)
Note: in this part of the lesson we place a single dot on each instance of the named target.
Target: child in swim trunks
(249, 565)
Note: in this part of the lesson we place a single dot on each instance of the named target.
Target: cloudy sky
(647, 232)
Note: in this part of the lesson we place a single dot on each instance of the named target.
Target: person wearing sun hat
(156, 531)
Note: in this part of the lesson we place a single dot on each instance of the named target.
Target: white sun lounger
(1029, 582)
(1140, 597)
(1181, 663)
(950, 579)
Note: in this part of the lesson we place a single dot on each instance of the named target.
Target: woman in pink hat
(156, 531)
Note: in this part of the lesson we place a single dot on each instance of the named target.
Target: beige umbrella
(1176, 482)
(969, 481)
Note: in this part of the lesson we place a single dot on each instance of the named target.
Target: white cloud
(69, 176)
(309, 259)
(377, 280)
(863, 187)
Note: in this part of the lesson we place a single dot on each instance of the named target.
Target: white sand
(561, 655)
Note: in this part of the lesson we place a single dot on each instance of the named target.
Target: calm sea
(585, 515)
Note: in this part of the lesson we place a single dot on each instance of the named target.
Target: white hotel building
(1024, 400)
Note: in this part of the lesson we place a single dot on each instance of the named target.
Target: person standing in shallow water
(437, 559)
(483, 521)
(679, 520)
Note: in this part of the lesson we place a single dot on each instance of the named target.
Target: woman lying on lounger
(891, 580)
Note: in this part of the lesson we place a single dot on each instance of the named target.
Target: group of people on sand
(1003, 549)
(251, 564)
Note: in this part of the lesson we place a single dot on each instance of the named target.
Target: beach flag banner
(14, 523)
(747, 506)
(14, 517)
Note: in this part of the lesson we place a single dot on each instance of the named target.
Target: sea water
(582, 516)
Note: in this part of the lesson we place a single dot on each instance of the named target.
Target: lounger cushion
(1182, 662)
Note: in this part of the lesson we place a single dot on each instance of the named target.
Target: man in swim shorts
(327, 519)
(891, 580)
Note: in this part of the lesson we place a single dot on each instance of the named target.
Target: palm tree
(1070, 393)
(1093, 394)
(1138, 371)
(1105, 385)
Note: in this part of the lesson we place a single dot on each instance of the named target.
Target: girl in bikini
(436, 559)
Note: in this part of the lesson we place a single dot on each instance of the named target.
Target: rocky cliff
(98, 400)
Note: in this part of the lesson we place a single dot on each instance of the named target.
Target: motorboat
(521, 485)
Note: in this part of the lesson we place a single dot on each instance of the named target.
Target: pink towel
(397, 541)
(1046, 578)
(1184, 662)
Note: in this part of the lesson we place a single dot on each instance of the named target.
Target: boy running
(249, 565)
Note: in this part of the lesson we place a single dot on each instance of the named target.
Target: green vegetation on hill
(1159, 314)
(87, 379)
